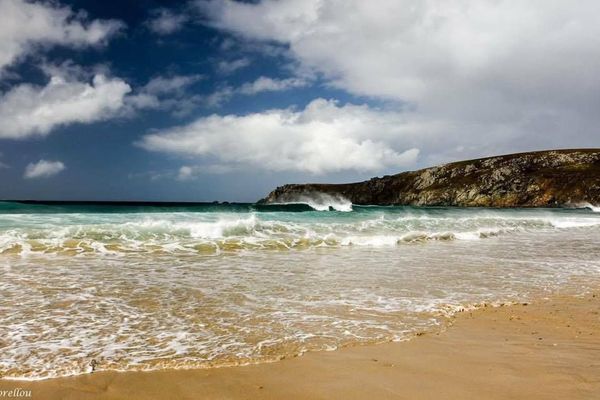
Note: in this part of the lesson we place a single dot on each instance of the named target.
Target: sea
(148, 286)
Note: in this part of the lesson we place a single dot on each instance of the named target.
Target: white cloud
(271, 19)
(166, 93)
(75, 94)
(68, 69)
(405, 49)
(261, 84)
(173, 84)
(25, 25)
(185, 173)
(43, 169)
(188, 172)
(324, 137)
(229, 67)
(29, 110)
(266, 84)
(486, 75)
(165, 22)
(220, 96)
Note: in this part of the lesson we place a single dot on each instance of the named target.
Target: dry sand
(546, 350)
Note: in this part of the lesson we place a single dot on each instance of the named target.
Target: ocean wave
(143, 291)
(69, 246)
(120, 334)
(190, 234)
(588, 206)
(321, 202)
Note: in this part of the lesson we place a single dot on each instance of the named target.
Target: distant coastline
(553, 178)
(134, 203)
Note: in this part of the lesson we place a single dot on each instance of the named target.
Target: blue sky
(223, 100)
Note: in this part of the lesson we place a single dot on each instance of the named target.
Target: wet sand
(549, 349)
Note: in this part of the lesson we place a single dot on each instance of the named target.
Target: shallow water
(209, 285)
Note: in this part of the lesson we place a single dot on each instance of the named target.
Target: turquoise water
(139, 287)
(78, 228)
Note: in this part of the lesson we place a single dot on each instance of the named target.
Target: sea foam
(214, 233)
(323, 202)
(157, 290)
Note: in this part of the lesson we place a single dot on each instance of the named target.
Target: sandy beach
(547, 349)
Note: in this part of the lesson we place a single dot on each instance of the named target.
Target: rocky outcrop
(537, 179)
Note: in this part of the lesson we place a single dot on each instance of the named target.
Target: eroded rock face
(537, 179)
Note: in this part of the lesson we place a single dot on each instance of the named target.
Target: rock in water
(536, 179)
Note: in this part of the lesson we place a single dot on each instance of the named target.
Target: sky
(204, 100)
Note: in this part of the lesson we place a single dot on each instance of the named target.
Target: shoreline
(546, 349)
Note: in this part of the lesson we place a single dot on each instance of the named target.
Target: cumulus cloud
(485, 75)
(30, 110)
(323, 137)
(26, 25)
(75, 94)
(414, 46)
(165, 22)
(43, 169)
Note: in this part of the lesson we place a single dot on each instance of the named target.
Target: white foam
(168, 293)
(566, 223)
(213, 233)
(590, 207)
(157, 313)
(323, 202)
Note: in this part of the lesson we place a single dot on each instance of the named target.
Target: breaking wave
(589, 207)
(322, 202)
(213, 233)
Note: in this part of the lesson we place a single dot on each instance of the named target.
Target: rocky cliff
(536, 179)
